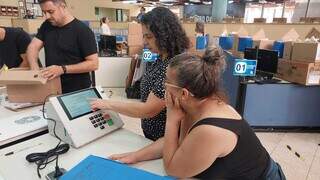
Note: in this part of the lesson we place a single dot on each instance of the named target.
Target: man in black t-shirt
(70, 47)
(13, 46)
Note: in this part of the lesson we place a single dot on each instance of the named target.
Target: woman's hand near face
(174, 110)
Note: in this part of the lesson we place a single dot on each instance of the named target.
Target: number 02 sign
(244, 67)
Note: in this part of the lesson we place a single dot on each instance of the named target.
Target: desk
(281, 105)
(13, 129)
(119, 141)
(12, 132)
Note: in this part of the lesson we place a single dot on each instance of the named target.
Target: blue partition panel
(286, 105)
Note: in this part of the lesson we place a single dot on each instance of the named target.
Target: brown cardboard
(313, 33)
(305, 20)
(291, 35)
(259, 35)
(266, 44)
(24, 86)
(255, 43)
(263, 44)
(299, 72)
(287, 50)
(21, 76)
(135, 40)
(135, 29)
(315, 19)
(259, 20)
(242, 32)
(133, 50)
(307, 52)
(279, 20)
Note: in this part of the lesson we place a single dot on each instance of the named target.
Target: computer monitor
(267, 61)
(250, 53)
(108, 45)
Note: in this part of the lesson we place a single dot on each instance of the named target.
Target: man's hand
(52, 72)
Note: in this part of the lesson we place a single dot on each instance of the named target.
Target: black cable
(44, 158)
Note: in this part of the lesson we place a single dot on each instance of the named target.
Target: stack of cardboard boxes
(301, 63)
(135, 39)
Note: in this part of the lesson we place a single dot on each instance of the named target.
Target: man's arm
(33, 53)
(24, 62)
(90, 63)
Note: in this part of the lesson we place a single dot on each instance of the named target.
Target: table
(14, 129)
(119, 141)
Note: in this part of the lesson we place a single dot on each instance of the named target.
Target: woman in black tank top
(205, 137)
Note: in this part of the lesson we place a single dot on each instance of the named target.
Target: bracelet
(64, 69)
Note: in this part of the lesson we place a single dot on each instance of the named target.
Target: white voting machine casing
(21, 125)
(76, 123)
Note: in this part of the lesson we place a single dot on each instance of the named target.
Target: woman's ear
(184, 94)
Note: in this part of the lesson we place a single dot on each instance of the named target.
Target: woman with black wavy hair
(164, 35)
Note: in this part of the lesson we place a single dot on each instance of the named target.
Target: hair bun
(212, 55)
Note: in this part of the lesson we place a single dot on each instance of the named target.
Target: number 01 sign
(244, 67)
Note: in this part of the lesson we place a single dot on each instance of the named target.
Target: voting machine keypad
(98, 120)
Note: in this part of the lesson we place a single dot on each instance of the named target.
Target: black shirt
(248, 160)
(12, 46)
(153, 81)
(68, 45)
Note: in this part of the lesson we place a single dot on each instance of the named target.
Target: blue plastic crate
(244, 42)
(226, 42)
(279, 46)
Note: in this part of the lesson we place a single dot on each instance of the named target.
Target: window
(314, 8)
(253, 10)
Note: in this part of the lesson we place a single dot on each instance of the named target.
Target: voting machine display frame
(76, 123)
(65, 107)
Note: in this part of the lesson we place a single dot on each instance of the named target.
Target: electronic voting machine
(76, 123)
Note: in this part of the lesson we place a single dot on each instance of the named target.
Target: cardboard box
(259, 20)
(315, 19)
(279, 20)
(305, 20)
(135, 40)
(299, 72)
(133, 50)
(24, 86)
(307, 52)
(263, 44)
(313, 33)
(135, 29)
(287, 50)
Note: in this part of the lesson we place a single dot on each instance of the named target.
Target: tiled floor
(305, 145)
